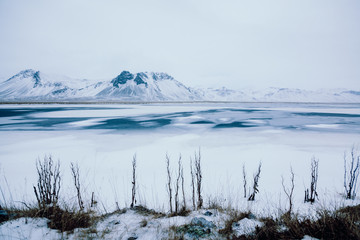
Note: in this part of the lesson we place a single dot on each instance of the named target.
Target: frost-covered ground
(104, 138)
(131, 225)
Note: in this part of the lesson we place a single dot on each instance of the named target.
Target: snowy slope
(147, 86)
(31, 85)
(35, 85)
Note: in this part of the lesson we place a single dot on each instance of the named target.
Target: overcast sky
(303, 44)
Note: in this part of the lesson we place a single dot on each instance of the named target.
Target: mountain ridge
(33, 85)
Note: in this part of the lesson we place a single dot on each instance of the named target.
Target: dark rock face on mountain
(122, 78)
(158, 76)
(139, 79)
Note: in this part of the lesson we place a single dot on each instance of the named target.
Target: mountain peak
(28, 73)
(122, 78)
(139, 78)
(161, 76)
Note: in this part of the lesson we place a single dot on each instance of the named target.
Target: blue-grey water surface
(313, 117)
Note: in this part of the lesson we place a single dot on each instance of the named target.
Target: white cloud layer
(304, 44)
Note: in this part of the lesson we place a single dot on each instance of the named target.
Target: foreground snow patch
(246, 226)
(128, 225)
(28, 228)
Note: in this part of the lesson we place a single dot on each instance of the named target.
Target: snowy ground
(129, 225)
(104, 138)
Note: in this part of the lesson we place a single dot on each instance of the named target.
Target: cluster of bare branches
(312, 194)
(351, 173)
(49, 179)
(49, 182)
(47, 192)
(179, 183)
(173, 189)
(255, 186)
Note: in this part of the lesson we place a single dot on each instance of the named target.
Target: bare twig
(183, 187)
(169, 188)
(93, 201)
(244, 180)
(289, 190)
(311, 195)
(3, 194)
(177, 186)
(198, 174)
(133, 190)
(350, 181)
(192, 184)
(256, 184)
(76, 176)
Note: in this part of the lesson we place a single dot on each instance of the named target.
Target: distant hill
(31, 85)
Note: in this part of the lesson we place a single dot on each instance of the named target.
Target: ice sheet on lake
(180, 117)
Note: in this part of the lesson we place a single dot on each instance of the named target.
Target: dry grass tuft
(60, 219)
(182, 212)
(66, 220)
(147, 212)
(234, 217)
(339, 224)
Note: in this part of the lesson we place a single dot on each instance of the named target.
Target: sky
(202, 43)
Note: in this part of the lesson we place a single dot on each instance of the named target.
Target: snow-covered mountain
(146, 86)
(31, 85)
(34, 85)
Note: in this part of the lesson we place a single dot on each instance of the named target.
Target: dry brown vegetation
(340, 224)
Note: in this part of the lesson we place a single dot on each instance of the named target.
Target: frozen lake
(181, 117)
(104, 138)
